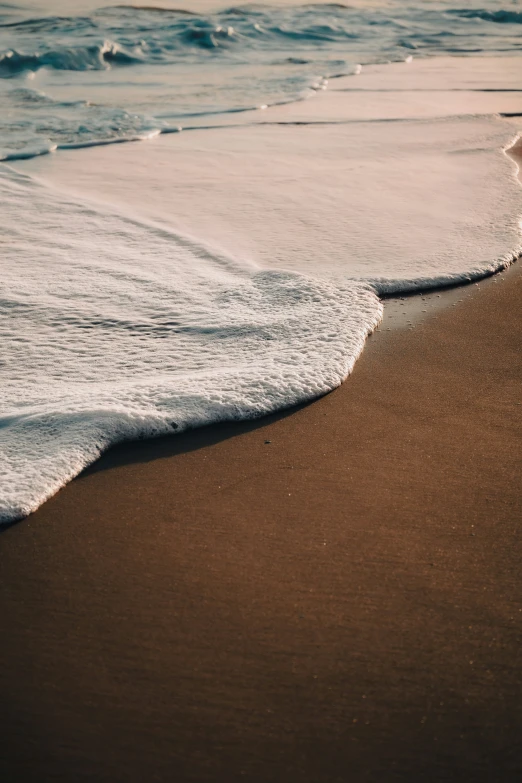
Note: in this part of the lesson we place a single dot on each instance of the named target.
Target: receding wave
(145, 349)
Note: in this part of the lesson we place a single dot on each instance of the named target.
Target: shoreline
(401, 311)
(341, 603)
(331, 593)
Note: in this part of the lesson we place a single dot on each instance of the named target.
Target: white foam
(113, 329)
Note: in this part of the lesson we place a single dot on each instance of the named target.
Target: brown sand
(340, 604)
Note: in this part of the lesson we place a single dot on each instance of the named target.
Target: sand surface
(342, 603)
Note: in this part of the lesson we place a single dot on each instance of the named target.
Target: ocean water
(124, 71)
(118, 322)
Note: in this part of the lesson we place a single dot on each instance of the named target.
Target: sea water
(116, 325)
(124, 71)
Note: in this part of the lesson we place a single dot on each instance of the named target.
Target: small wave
(314, 33)
(26, 95)
(28, 153)
(151, 9)
(50, 24)
(78, 145)
(83, 58)
(500, 17)
(137, 34)
(208, 36)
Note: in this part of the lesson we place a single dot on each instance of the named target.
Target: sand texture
(341, 603)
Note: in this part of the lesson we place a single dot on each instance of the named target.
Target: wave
(99, 347)
(152, 9)
(501, 16)
(268, 55)
(201, 34)
(236, 10)
(50, 24)
(133, 34)
(209, 36)
(82, 123)
(82, 58)
(115, 328)
(145, 43)
(111, 349)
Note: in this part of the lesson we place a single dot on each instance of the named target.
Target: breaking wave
(82, 58)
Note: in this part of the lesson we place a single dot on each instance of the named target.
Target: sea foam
(115, 329)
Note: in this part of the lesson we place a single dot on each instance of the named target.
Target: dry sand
(342, 603)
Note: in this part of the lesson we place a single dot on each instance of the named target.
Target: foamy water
(233, 270)
(116, 329)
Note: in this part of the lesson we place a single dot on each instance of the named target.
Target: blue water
(121, 72)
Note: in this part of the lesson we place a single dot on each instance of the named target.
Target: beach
(341, 603)
(260, 410)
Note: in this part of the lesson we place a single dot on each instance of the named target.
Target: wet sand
(341, 603)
